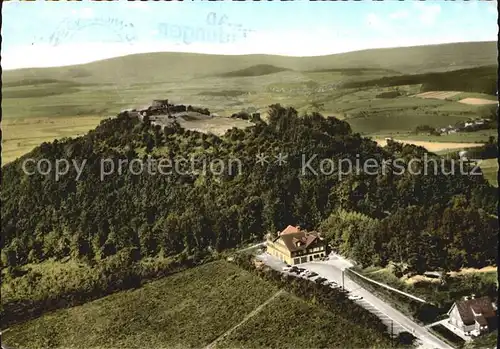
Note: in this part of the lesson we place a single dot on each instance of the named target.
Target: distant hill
(355, 71)
(480, 80)
(168, 66)
(256, 70)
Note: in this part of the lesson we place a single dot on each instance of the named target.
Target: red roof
(290, 230)
(481, 306)
(299, 241)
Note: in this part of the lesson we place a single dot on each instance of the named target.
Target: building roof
(481, 320)
(290, 230)
(297, 240)
(481, 306)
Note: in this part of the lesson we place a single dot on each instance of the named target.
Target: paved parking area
(332, 270)
(335, 275)
(396, 327)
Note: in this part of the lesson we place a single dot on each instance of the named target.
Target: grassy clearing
(34, 289)
(489, 167)
(189, 309)
(490, 170)
(289, 322)
(51, 273)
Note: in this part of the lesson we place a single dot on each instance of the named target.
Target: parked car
(312, 274)
(355, 298)
(320, 280)
(287, 268)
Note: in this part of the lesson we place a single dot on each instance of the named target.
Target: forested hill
(192, 212)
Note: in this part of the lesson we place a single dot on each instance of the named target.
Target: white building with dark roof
(294, 246)
(473, 316)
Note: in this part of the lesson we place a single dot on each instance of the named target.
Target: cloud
(399, 14)
(86, 13)
(428, 13)
(289, 42)
(492, 7)
(374, 21)
(135, 5)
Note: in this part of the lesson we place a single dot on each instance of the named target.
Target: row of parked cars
(320, 280)
(299, 271)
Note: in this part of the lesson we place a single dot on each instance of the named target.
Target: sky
(48, 33)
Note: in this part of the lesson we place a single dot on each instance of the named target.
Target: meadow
(299, 324)
(489, 167)
(20, 136)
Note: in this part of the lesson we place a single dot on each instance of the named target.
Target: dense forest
(403, 217)
(97, 235)
(479, 79)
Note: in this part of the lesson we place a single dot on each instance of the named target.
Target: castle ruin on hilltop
(161, 111)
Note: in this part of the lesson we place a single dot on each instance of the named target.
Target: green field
(43, 104)
(289, 322)
(190, 310)
(23, 134)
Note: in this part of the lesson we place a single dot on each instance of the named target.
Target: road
(332, 270)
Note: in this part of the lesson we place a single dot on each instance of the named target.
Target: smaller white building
(472, 315)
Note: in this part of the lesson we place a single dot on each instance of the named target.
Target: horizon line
(250, 54)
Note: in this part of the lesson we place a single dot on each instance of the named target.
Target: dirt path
(477, 101)
(248, 317)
